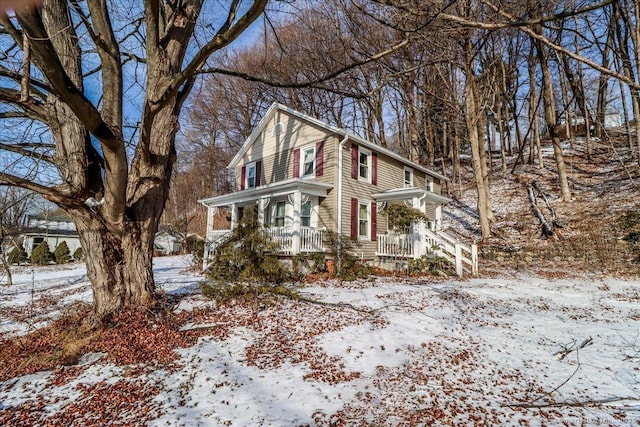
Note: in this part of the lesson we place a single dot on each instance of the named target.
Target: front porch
(289, 212)
(288, 240)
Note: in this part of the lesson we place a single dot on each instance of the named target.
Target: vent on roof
(277, 129)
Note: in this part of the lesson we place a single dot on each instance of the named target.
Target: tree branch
(308, 83)
(31, 108)
(18, 149)
(220, 41)
(45, 57)
(48, 193)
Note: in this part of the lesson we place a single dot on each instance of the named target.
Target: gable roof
(275, 107)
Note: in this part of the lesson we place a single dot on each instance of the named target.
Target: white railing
(213, 235)
(283, 236)
(464, 257)
(214, 239)
(311, 239)
(396, 245)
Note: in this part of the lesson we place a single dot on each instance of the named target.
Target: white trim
(369, 164)
(306, 148)
(404, 177)
(274, 190)
(368, 227)
(247, 167)
(407, 193)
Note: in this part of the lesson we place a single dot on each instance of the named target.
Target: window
(408, 177)
(429, 184)
(363, 220)
(279, 212)
(305, 214)
(308, 161)
(250, 175)
(364, 164)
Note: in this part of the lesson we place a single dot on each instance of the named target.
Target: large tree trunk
(118, 266)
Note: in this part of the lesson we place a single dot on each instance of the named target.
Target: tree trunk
(550, 118)
(472, 119)
(118, 266)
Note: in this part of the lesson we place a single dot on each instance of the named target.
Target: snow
(387, 351)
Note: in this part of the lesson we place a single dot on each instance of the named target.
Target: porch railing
(310, 240)
(464, 257)
(396, 245)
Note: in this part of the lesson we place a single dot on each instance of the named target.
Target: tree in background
(41, 255)
(61, 254)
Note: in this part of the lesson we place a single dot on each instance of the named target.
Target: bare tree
(14, 206)
(115, 190)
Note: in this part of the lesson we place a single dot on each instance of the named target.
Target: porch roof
(281, 188)
(409, 193)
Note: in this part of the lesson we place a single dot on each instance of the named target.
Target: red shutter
(243, 176)
(354, 218)
(319, 158)
(296, 163)
(354, 161)
(374, 222)
(258, 172)
(374, 168)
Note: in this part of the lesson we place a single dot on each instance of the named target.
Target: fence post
(474, 259)
(458, 259)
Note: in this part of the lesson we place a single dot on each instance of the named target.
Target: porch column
(419, 247)
(261, 204)
(234, 216)
(211, 212)
(297, 209)
(438, 221)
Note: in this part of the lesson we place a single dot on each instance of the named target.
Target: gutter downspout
(339, 225)
(340, 158)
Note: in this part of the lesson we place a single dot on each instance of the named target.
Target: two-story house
(305, 177)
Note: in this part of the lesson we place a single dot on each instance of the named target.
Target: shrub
(247, 257)
(427, 264)
(342, 250)
(17, 255)
(41, 254)
(401, 217)
(62, 254)
(78, 254)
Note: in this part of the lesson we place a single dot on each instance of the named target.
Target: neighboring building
(304, 177)
(53, 230)
(166, 243)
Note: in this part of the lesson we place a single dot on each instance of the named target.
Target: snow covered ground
(386, 351)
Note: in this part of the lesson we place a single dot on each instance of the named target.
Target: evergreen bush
(17, 256)
(62, 254)
(247, 256)
(77, 254)
(41, 254)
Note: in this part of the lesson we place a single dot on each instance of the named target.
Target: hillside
(604, 209)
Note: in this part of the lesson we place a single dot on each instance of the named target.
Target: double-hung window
(279, 213)
(364, 164)
(305, 214)
(408, 177)
(308, 164)
(250, 180)
(363, 220)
